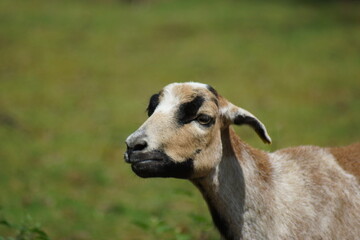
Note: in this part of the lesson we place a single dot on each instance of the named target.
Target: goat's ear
(239, 116)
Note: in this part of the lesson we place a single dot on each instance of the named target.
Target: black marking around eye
(188, 111)
(154, 102)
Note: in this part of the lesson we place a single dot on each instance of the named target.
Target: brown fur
(188, 93)
(261, 158)
(263, 164)
(296, 193)
(348, 158)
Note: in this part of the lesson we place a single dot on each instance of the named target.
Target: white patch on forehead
(193, 84)
(197, 85)
(170, 100)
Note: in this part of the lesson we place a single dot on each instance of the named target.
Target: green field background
(76, 76)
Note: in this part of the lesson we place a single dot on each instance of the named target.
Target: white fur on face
(171, 99)
(163, 132)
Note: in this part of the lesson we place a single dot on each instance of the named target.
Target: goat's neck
(236, 187)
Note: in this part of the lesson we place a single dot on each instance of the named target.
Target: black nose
(133, 147)
(137, 146)
(136, 143)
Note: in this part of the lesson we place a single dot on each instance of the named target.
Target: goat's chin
(159, 164)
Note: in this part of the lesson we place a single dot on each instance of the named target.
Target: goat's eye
(204, 119)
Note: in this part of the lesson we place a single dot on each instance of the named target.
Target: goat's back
(348, 158)
(321, 188)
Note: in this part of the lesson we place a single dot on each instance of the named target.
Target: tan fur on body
(304, 192)
(348, 158)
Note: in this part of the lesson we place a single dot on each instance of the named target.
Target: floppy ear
(239, 116)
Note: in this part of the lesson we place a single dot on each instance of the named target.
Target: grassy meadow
(76, 76)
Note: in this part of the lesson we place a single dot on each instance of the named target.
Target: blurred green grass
(75, 78)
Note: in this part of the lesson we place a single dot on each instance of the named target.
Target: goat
(304, 192)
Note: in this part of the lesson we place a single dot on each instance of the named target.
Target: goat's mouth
(158, 164)
(148, 167)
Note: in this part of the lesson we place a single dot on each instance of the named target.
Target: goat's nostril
(141, 145)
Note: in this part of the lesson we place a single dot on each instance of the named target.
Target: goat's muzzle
(157, 164)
